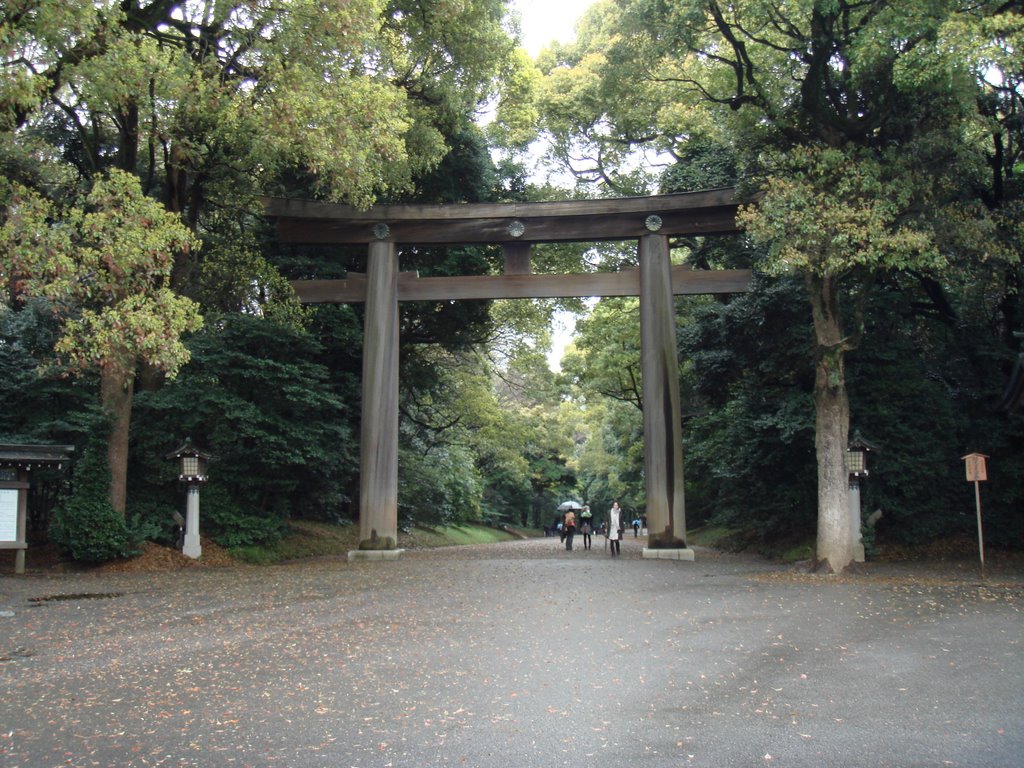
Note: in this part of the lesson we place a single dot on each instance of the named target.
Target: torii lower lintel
(411, 287)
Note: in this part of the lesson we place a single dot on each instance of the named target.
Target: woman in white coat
(614, 529)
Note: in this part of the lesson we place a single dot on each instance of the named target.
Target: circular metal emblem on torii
(651, 221)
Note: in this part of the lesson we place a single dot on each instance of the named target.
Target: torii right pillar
(663, 433)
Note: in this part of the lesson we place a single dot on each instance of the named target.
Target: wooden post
(378, 483)
(981, 536)
(977, 472)
(663, 439)
(517, 258)
(19, 553)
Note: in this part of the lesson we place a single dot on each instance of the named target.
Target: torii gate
(516, 227)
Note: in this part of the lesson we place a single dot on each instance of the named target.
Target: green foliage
(896, 167)
(257, 399)
(104, 266)
(923, 391)
(603, 365)
(606, 356)
(85, 524)
(40, 407)
(152, 520)
(830, 211)
(90, 531)
(438, 486)
(701, 164)
(750, 441)
(225, 520)
(202, 101)
(860, 124)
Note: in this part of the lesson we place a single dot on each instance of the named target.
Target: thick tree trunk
(117, 385)
(832, 424)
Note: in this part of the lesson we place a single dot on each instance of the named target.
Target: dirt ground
(46, 558)
(516, 653)
(954, 559)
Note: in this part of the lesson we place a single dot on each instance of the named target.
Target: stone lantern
(857, 466)
(192, 473)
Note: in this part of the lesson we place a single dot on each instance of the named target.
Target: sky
(542, 22)
(547, 20)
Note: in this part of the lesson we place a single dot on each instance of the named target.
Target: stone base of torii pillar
(374, 554)
(668, 554)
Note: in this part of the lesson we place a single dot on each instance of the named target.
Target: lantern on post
(192, 472)
(857, 466)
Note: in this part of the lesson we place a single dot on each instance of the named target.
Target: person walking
(569, 526)
(636, 527)
(614, 533)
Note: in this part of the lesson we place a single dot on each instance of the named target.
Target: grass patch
(797, 553)
(788, 550)
(303, 539)
(707, 536)
(456, 535)
(307, 538)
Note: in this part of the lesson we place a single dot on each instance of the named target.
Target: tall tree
(210, 103)
(104, 267)
(857, 120)
(606, 353)
(190, 95)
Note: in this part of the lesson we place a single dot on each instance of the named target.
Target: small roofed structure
(17, 461)
(29, 457)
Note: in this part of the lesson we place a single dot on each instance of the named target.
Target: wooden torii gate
(516, 227)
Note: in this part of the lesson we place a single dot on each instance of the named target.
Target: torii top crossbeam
(711, 211)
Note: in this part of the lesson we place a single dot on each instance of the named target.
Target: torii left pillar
(378, 479)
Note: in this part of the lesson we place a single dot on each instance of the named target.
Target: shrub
(227, 523)
(90, 531)
(85, 525)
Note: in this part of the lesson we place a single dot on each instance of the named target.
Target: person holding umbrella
(568, 510)
(570, 529)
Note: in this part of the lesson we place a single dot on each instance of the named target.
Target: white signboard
(8, 515)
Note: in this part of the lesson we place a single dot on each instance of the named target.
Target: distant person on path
(570, 529)
(586, 529)
(615, 529)
(586, 525)
(636, 527)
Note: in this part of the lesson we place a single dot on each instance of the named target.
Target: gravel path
(516, 654)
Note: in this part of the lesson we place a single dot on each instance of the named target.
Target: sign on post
(977, 473)
(8, 515)
(976, 470)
